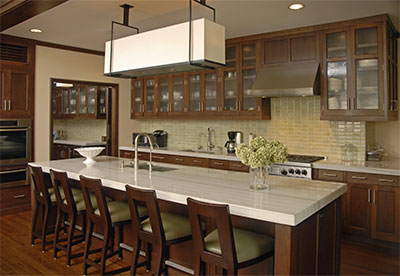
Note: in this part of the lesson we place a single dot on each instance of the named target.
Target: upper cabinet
(359, 73)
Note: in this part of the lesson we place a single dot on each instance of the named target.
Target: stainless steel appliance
(158, 137)
(299, 166)
(161, 137)
(15, 142)
(235, 139)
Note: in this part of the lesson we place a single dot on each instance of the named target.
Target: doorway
(83, 114)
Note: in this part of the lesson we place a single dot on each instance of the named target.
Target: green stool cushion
(249, 245)
(175, 226)
(75, 191)
(119, 211)
(80, 201)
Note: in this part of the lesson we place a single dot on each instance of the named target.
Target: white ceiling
(87, 23)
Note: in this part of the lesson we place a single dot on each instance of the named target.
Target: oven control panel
(290, 171)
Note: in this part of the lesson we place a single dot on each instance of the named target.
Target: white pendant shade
(166, 50)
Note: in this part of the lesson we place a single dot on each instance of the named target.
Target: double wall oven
(15, 151)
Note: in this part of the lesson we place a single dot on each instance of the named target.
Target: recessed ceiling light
(296, 6)
(35, 30)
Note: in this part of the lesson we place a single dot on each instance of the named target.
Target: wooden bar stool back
(225, 247)
(70, 204)
(45, 201)
(159, 230)
(108, 215)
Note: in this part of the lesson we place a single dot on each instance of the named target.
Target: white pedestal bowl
(90, 153)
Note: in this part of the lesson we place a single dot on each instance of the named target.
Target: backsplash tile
(80, 129)
(295, 122)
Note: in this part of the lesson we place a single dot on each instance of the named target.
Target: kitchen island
(302, 215)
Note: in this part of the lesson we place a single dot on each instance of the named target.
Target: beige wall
(56, 63)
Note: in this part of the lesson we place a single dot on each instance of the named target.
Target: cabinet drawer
(126, 154)
(219, 164)
(163, 158)
(180, 160)
(331, 175)
(368, 178)
(12, 197)
(238, 166)
(198, 162)
(386, 179)
(353, 177)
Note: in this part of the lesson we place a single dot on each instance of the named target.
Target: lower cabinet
(372, 203)
(15, 199)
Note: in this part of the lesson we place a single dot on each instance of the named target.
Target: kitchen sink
(199, 151)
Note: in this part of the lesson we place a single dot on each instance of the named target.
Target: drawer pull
(19, 196)
(197, 161)
(359, 177)
(369, 195)
(219, 163)
(179, 159)
(386, 180)
(159, 157)
(330, 175)
(237, 165)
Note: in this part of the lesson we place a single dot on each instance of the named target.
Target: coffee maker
(235, 139)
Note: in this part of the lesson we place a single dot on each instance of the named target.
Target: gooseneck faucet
(136, 151)
(210, 145)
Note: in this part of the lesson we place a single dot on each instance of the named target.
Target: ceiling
(87, 23)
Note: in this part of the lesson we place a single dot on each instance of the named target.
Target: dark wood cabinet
(62, 152)
(15, 199)
(359, 209)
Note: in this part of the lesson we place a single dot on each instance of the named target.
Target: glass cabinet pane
(150, 86)
(249, 55)
(230, 93)
(230, 56)
(91, 99)
(64, 101)
(194, 92)
(249, 77)
(102, 99)
(367, 83)
(336, 45)
(164, 94)
(367, 41)
(178, 93)
(54, 101)
(211, 92)
(82, 100)
(72, 102)
(138, 96)
(337, 85)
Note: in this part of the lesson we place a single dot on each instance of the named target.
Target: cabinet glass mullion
(194, 93)
(164, 94)
(211, 92)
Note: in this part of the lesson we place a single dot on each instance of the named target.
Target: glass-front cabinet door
(164, 98)
(149, 94)
(248, 66)
(101, 102)
(177, 93)
(91, 100)
(210, 91)
(230, 83)
(195, 101)
(137, 101)
(82, 100)
(68, 101)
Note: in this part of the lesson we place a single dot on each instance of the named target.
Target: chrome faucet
(136, 151)
(210, 145)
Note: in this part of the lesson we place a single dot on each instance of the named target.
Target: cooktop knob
(297, 171)
(284, 172)
(304, 172)
(291, 171)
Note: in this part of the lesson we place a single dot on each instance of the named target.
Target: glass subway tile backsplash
(294, 121)
(80, 129)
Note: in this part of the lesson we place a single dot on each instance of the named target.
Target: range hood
(167, 50)
(286, 80)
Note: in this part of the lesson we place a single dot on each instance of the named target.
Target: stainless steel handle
(259, 108)
(126, 153)
(14, 129)
(237, 105)
(329, 175)
(386, 180)
(349, 107)
(237, 165)
(199, 106)
(5, 105)
(354, 103)
(219, 163)
(158, 157)
(197, 161)
(369, 195)
(179, 159)
(9, 105)
(359, 177)
(240, 105)
(19, 196)
(373, 197)
(13, 171)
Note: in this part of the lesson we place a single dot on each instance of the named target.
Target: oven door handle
(13, 129)
(13, 171)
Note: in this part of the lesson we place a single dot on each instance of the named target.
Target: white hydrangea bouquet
(258, 156)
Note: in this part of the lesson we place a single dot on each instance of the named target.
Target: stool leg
(159, 261)
(88, 240)
(44, 228)
(56, 232)
(71, 230)
(104, 249)
(34, 218)
(120, 240)
(148, 256)
(198, 266)
(135, 255)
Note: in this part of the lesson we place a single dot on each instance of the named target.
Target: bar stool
(70, 205)
(109, 215)
(45, 201)
(226, 247)
(161, 229)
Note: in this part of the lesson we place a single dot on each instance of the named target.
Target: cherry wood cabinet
(372, 203)
(15, 199)
(358, 71)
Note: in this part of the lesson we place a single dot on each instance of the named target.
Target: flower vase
(259, 178)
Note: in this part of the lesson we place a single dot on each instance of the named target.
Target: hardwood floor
(18, 257)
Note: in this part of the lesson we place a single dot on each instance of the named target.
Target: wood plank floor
(18, 257)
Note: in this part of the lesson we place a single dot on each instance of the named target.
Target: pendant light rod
(126, 8)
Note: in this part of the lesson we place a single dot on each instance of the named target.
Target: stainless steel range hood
(286, 80)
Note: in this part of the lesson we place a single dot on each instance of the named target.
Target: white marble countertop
(389, 167)
(79, 143)
(289, 201)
